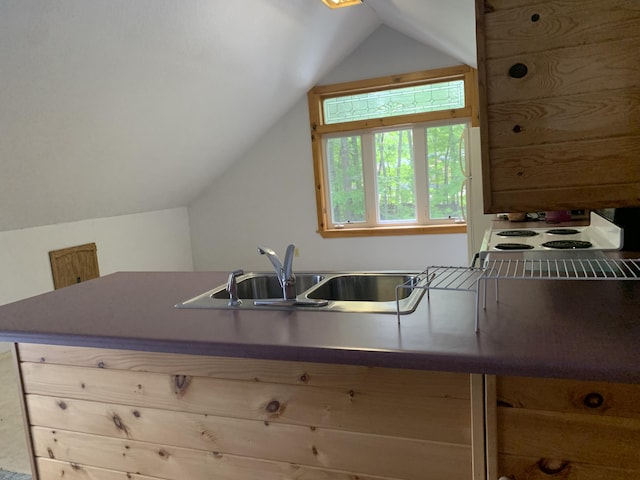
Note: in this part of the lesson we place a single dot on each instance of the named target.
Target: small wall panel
(74, 265)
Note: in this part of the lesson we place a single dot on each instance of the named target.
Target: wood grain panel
(49, 469)
(536, 468)
(404, 414)
(596, 196)
(573, 396)
(349, 377)
(247, 438)
(544, 26)
(496, 5)
(566, 71)
(74, 265)
(408, 460)
(565, 119)
(600, 440)
(59, 470)
(569, 164)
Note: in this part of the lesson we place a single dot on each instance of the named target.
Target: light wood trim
(318, 128)
(398, 120)
(345, 377)
(478, 447)
(512, 32)
(15, 354)
(339, 408)
(406, 460)
(483, 101)
(387, 231)
(389, 81)
(491, 426)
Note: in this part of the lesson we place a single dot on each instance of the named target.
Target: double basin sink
(363, 292)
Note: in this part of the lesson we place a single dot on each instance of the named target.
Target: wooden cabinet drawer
(567, 428)
(182, 416)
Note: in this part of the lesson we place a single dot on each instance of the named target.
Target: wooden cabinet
(566, 429)
(109, 414)
(559, 103)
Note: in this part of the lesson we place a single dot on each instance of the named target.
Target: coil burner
(563, 231)
(517, 233)
(513, 246)
(567, 244)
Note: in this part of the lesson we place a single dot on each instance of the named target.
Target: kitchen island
(118, 381)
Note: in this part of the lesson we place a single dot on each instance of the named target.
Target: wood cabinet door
(566, 429)
(74, 265)
(559, 104)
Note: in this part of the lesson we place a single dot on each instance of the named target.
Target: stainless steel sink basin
(363, 292)
(363, 287)
(260, 286)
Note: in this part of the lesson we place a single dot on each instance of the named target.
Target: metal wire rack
(469, 278)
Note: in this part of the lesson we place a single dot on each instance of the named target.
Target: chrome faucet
(284, 272)
(232, 288)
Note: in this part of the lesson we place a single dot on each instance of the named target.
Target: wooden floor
(13, 448)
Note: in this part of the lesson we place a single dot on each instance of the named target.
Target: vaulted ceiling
(111, 107)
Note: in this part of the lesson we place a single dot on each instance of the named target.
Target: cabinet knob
(518, 70)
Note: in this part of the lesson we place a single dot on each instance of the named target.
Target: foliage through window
(389, 153)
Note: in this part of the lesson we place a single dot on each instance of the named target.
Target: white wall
(267, 197)
(144, 242)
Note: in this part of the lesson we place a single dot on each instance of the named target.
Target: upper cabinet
(559, 86)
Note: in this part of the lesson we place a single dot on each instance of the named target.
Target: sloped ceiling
(111, 107)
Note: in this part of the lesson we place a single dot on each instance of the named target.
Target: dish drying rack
(469, 279)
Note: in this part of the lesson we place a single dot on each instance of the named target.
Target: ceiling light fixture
(340, 3)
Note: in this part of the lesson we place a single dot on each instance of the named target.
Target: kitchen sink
(363, 292)
(363, 287)
(260, 286)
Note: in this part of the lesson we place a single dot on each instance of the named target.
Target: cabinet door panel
(539, 26)
(567, 71)
(536, 468)
(564, 119)
(569, 429)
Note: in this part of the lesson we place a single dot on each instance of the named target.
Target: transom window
(389, 153)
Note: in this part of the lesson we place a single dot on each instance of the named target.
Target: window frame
(319, 130)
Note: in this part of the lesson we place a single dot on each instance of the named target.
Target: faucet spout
(285, 274)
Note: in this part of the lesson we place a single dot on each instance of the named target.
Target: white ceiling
(111, 107)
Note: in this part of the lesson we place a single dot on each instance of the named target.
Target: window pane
(398, 101)
(444, 152)
(346, 179)
(395, 176)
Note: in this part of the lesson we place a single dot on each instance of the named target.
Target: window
(389, 153)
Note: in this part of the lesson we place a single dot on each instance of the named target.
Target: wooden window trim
(318, 94)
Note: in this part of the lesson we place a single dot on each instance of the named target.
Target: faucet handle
(232, 288)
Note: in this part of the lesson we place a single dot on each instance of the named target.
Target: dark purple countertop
(568, 328)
